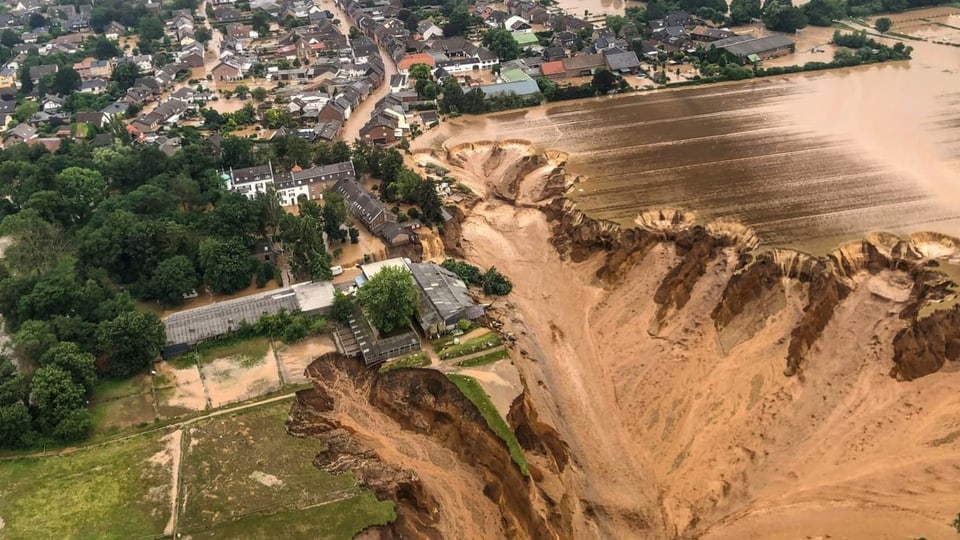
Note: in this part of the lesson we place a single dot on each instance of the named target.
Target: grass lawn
(248, 352)
(414, 360)
(246, 465)
(474, 392)
(121, 403)
(479, 343)
(485, 359)
(340, 520)
(113, 491)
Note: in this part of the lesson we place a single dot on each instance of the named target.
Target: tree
(883, 25)
(259, 93)
(342, 309)
(203, 34)
(69, 357)
(407, 184)
(782, 16)
(824, 12)
(501, 42)
(603, 81)
(615, 23)
(744, 11)
(101, 47)
(9, 38)
(225, 265)
(34, 339)
(82, 189)
(389, 298)
(36, 20)
(334, 215)
(55, 395)
(261, 23)
(131, 341)
(65, 81)
(420, 72)
(150, 27)
(15, 425)
(173, 278)
(496, 283)
(125, 75)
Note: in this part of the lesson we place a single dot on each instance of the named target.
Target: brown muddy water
(807, 161)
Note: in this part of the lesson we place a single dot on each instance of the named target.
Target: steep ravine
(359, 414)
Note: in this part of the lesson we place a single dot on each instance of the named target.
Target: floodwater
(807, 161)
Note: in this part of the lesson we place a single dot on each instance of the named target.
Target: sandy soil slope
(681, 428)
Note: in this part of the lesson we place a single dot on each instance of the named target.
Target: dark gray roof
(742, 46)
(445, 299)
(623, 61)
(195, 325)
(359, 202)
(252, 174)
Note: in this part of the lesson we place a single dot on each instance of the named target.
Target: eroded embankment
(412, 437)
(920, 350)
(659, 350)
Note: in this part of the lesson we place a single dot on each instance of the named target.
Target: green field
(112, 491)
(413, 361)
(248, 352)
(242, 476)
(243, 472)
(488, 358)
(474, 392)
(447, 350)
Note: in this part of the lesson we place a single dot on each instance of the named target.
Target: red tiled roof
(552, 68)
(419, 58)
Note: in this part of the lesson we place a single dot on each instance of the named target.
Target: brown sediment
(692, 430)
(412, 437)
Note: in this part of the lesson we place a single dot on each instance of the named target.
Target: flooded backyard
(807, 161)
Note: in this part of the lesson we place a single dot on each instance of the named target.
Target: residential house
(517, 23)
(238, 31)
(553, 70)
(311, 183)
(227, 69)
(19, 134)
(551, 54)
(8, 78)
(7, 107)
(428, 30)
(368, 209)
(583, 65)
(708, 34)
(38, 72)
(398, 82)
(403, 66)
(97, 85)
(114, 30)
(623, 62)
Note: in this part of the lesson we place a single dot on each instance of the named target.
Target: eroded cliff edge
(412, 437)
(522, 175)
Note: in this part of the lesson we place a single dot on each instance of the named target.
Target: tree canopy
(389, 298)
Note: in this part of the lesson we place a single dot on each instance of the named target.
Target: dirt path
(175, 445)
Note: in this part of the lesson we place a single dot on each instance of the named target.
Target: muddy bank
(460, 470)
(658, 351)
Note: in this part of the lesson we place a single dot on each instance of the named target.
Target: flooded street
(808, 161)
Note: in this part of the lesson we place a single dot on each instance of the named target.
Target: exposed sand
(465, 512)
(674, 437)
(294, 359)
(182, 392)
(500, 380)
(231, 379)
(170, 457)
(268, 480)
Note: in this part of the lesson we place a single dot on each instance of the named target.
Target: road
(361, 115)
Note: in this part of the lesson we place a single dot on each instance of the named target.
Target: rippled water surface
(807, 161)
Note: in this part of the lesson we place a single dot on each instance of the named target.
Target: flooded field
(807, 160)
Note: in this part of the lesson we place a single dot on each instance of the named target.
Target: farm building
(192, 326)
(749, 48)
(444, 299)
(377, 348)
